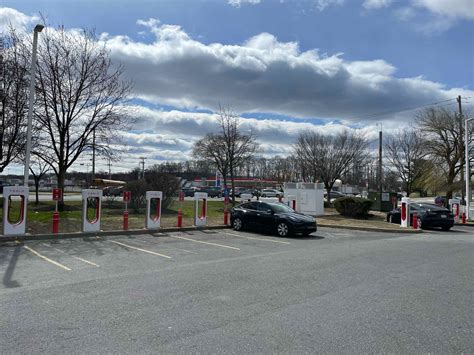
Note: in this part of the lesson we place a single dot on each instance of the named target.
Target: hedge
(353, 206)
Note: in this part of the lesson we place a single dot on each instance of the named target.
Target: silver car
(271, 193)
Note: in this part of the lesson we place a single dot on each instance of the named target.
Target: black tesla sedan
(272, 216)
(430, 215)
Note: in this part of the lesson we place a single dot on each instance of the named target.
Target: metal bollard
(226, 217)
(180, 218)
(415, 221)
(55, 222)
(125, 220)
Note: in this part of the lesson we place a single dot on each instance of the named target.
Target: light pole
(38, 28)
(467, 168)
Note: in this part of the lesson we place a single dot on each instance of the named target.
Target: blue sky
(282, 64)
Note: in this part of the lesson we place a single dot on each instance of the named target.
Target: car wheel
(445, 228)
(237, 224)
(282, 229)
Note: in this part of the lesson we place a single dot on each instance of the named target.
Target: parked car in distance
(271, 193)
(212, 191)
(247, 191)
(113, 191)
(188, 191)
(430, 215)
(272, 216)
(237, 193)
(333, 195)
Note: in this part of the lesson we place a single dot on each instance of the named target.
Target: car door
(264, 217)
(250, 213)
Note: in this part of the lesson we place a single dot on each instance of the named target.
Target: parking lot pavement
(228, 291)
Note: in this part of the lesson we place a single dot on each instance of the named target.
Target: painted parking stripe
(72, 256)
(200, 241)
(47, 259)
(263, 239)
(140, 249)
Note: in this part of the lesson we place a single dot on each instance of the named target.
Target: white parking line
(140, 249)
(200, 241)
(72, 256)
(47, 259)
(263, 239)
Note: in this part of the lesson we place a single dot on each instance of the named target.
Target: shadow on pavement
(7, 277)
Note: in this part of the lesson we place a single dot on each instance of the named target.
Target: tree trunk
(232, 184)
(61, 180)
(37, 191)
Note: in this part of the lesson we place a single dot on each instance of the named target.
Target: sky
(285, 66)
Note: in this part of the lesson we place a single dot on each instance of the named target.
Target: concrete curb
(372, 229)
(105, 233)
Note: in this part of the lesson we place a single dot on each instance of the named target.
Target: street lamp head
(39, 27)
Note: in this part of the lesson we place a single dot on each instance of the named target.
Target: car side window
(263, 207)
(247, 206)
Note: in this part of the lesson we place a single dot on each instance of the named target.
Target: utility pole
(458, 99)
(142, 163)
(93, 155)
(380, 159)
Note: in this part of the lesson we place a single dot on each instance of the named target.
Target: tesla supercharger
(405, 212)
(200, 214)
(93, 196)
(10, 193)
(245, 197)
(153, 218)
(454, 204)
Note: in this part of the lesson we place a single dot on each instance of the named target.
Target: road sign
(57, 194)
(127, 195)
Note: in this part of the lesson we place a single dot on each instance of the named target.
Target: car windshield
(280, 208)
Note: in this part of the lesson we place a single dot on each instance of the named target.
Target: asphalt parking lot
(226, 291)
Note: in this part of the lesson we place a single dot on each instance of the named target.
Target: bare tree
(444, 142)
(13, 98)
(213, 148)
(79, 94)
(38, 169)
(405, 151)
(230, 148)
(329, 157)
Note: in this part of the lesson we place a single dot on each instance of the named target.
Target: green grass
(43, 212)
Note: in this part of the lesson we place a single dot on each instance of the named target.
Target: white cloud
(266, 75)
(238, 3)
(321, 5)
(11, 17)
(461, 9)
(170, 135)
(405, 13)
(376, 4)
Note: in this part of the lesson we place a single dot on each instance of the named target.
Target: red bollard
(226, 217)
(125, 220)
(415, 221)
(55, 222)
(180, 218)
(464, 218)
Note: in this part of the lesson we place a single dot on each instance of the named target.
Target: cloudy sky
(285, 66)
